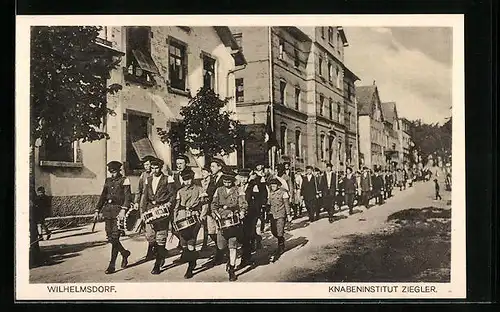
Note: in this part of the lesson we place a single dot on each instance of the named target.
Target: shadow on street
(56, 254)
(414, 246)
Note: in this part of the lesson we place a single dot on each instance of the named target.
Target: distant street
(413, 246)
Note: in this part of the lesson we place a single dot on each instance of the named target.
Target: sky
(411, 66)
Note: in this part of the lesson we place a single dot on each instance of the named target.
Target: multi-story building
(160, 69)
(299, 71)
(405, 139)
(351, 120)
(372, 139)
(393, 148)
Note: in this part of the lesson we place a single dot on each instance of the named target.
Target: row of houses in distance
(320, 115)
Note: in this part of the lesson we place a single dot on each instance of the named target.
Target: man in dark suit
(159, 192)
(114, 202)
(350, 187)
(378, 187)
(310, 193)
(328, 186)
(216, 167)
(366, 187)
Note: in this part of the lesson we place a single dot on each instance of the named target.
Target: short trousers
(157, 233)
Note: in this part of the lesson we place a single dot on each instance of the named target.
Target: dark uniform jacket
(165, 193)
(115, 196)
(257, 196)
(310, 188)
(323, 181)
(378, 183)
(366, 181)
(350, 184)
(215, 183)
(42, 207)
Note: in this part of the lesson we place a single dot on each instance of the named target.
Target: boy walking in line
(436, 187)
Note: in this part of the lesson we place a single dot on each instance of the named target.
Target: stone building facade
(300, 71)
(393, 148)
(372, 140)
(161, 68)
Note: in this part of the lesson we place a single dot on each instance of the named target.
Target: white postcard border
(130, 291)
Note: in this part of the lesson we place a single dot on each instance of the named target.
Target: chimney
(373, 82)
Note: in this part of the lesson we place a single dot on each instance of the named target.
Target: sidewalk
(82, 256)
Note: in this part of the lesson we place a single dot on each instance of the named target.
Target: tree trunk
(34, 249)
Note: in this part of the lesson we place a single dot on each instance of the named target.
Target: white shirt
(328, 178)
(309, 177)
(155, 182)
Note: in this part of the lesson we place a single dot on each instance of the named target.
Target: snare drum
(229, 221)
(156, 214)
(186, 223)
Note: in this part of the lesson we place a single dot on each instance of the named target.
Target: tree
(68, 88)
(431, 139)
(205, 127)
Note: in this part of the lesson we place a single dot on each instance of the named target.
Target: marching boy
(279, 209)
(436, 188)
(227, 199)
(113, 203)
(188, 202)
(42, 205)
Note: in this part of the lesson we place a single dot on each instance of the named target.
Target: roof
(349, 72)
(228, 39)
(364, 96)
(389, 111)
(297, 33)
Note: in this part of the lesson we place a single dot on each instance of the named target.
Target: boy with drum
(186, 222)
(229, 207)
(159, 193)
(279, 210)
(114, 203)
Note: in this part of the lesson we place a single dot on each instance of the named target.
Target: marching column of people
(228, 206)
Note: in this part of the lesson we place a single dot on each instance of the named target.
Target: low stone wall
(73, 205)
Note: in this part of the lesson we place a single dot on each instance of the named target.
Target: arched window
(321, 104)
(298, 143)
(330, 105)
(322, 146)
(283, 139)
(338, 77)
(330, 148)
(339, 113)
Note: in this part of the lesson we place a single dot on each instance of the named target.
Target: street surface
(312, 250)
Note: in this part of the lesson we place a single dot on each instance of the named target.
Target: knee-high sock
(232, 256)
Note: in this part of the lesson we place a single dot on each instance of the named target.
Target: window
(140, 65)
(281, 53)
(323, 32)
(339, 42)
(338, 77)
(339, 149)
(297, 98)
(330, 35)
(320, 66)
(323, 146)
(283, 92)
(239, 40)
(283, 138)
(330, 148)
(349, 120)
(339, 113)
(321, 104)
(298, 143)
(61, 152)
(349, 153)
(297, 58)
(330, 109)
(239, 90)
(105, 35)
(349, 91)
(208, 72)
(330, 72)
(177, 65)
(138, 144)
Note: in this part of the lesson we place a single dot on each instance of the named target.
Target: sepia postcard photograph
(240, 157)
